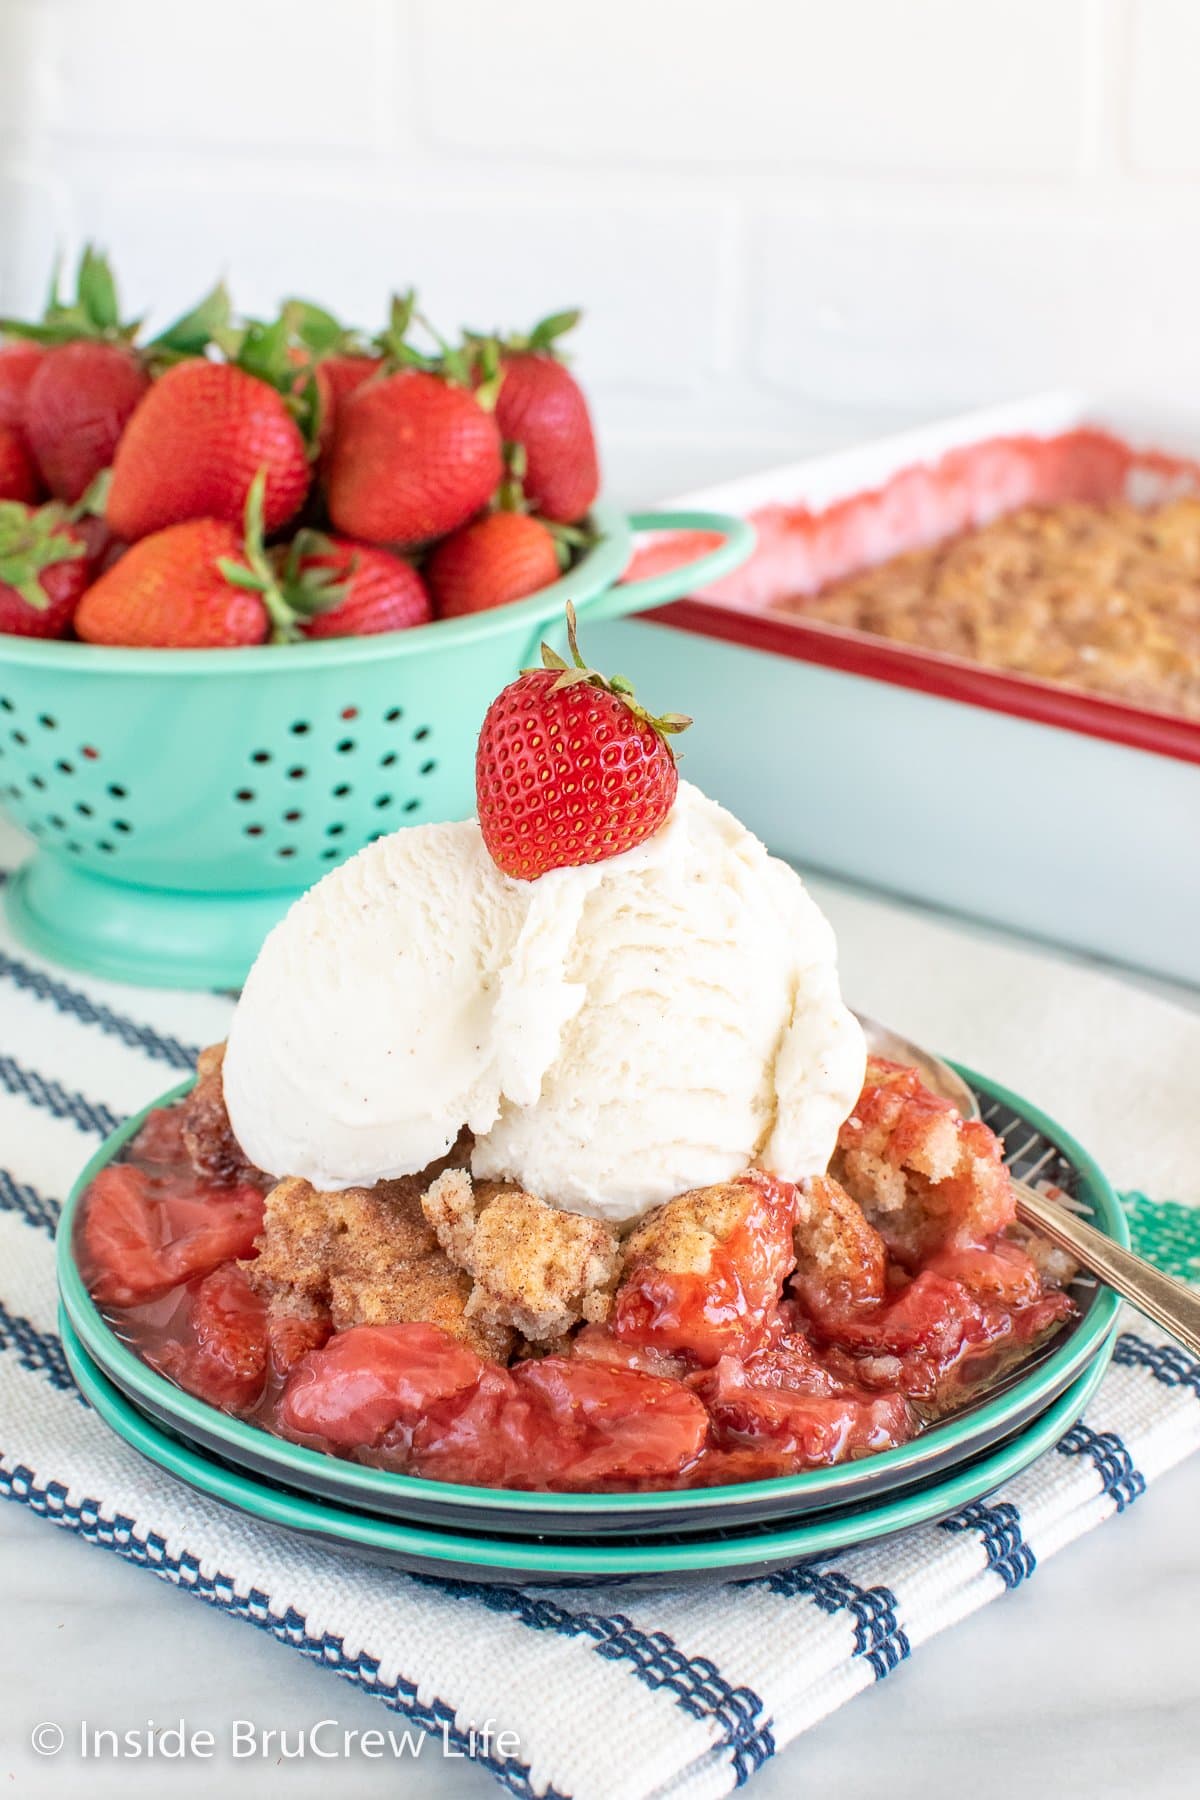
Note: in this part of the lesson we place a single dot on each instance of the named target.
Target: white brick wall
(791, 221)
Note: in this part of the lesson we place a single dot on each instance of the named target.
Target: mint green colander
(181, 799)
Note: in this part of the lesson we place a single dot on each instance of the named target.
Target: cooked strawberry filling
(747, 1330)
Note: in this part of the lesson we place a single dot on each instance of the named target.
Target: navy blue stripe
(150, 1552)
(1123, 1483)
(36, 1209)
(655, 1659)
(52, 1097)
(74, 1003)
(1008, 1554)
(1167, 1363)
(40, 1352)
(878, 1635)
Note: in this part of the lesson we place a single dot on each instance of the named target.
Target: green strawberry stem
(313, 590)
(572, 674)
(256, 575)
(31, 541)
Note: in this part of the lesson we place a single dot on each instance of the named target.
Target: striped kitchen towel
(612, 1694)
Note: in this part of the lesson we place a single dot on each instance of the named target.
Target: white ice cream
(612, 1035)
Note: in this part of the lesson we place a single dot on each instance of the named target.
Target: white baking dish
(1053, 811)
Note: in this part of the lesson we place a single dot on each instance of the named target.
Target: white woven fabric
(612, 1694)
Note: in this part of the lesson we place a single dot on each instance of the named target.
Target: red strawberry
(169, 591)
(19, 479)
(43, 570)
(196, 585)
(541, 407)
(414, 458)
(499, 558)
(142, 1236)
(18, 361)
(227, 1364)
(194, 446)
(346, 372)
(351, 590)
(76, 408)
(569, 769)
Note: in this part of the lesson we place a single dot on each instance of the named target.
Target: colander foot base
(152, 937)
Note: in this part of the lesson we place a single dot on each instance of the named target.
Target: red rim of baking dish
(931, 672)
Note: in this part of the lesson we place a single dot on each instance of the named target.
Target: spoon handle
(1168, 1302)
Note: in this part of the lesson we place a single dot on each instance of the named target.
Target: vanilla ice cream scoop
(612, 1035)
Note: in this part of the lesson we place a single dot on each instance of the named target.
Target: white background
(790, 221)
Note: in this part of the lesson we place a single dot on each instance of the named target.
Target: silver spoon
(1168, 1302)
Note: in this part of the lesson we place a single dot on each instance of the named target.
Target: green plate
(1022, 1397)
(720, 1555)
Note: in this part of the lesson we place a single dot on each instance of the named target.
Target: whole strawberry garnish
(201, 584)
(194, 446)
(19, 479)
(415, 456)
(18, 362)
(76, 408)
(570, 769)
(541, 407)
(344, 589)
(499, 558)
(43, 570)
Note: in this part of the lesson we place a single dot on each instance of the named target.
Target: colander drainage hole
(108, 849)
(36, 781)
(244, 794)
(293, 817)
(261, 756)
(254, 831)
(18, 737)
(64, 767)
(386, 762)
(117, 791)
(393, 713)
(83, 809)
(123, 826)
(411, 805)
(341, 790)
(382, 800)
(334, 830)
(428, 767)
(328, 855)
(346, 745)
(421, 733)
(58, 823)
(300, 726)
(297, 773)
(286, 850)
(6, 704)
(49, 723)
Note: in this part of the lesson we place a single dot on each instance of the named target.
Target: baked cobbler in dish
(1104, 597)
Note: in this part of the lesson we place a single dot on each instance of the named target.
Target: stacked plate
(496, 1535)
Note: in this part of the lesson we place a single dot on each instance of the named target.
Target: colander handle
(635, 596)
